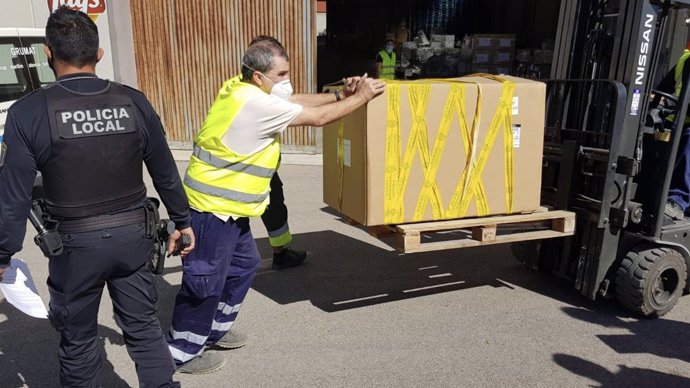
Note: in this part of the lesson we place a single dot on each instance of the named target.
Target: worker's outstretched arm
(318, 99)
(366, 90)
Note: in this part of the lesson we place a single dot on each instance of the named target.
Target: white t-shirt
(256, 126)
(259, 122)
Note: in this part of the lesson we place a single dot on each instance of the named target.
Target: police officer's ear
(99, 55)
(49, 53)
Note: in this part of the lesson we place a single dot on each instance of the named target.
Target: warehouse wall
(186, 50)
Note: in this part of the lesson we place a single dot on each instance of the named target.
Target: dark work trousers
(118, 258)
(679, 191)
(275, 218)
(216, 278)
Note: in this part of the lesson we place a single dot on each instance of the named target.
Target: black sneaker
(673, 210)
(288, 257)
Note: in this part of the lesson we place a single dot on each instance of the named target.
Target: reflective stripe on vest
(220, 181)
(208, 158)
(388, 66)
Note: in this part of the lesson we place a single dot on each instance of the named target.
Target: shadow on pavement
(660, 337)
(625, 377)
(344, 273)
(29, 348)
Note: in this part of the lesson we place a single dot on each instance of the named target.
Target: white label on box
(516, 105)
(516, 136)
(347, 151)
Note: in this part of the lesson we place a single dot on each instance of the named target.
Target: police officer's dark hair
(259, 57)
(72, 37)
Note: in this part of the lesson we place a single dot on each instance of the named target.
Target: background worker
(275, 218)
(385, 61)
(678, 201)
(93, 181)
(228, 180)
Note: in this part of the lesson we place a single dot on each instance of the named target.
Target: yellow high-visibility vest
(219, 180)
(388, 65)
(679, 71)
(678, 77)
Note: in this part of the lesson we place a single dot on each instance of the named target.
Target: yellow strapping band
(470, 186)
(502, 116)
(393, 209)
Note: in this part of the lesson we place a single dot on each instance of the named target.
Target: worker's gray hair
(259, 57)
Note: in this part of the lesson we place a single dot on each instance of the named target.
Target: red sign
(91, 7)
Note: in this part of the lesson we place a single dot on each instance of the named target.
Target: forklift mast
(608, 59)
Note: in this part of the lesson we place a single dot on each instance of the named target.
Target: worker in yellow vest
(678, 200)
(385, 61)
(227, 181)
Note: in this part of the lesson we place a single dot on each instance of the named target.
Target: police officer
(88, 138)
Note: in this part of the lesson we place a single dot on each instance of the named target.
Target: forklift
(611, 141)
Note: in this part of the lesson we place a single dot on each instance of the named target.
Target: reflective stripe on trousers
(213, 287)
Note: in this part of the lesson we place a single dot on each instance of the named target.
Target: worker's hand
(172, 241)
(350, 85)
(368, 88)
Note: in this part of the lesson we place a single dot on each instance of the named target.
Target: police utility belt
(49, 229)
(105, 221)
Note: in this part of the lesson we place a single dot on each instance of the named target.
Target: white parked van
(23, 66)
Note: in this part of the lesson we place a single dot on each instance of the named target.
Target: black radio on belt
(48, 238)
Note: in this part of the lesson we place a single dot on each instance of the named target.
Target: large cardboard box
(434, 150)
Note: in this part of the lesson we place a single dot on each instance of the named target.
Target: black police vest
(97, 151)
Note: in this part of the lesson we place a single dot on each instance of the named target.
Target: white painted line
(441, 275)
(436, 286)
(425, 268)
(360, 299)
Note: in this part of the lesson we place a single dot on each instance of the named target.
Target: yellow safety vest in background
(678, 77)
(679, 71)
(219, 180)
(388, 68)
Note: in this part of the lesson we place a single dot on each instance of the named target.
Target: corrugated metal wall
(185, 50)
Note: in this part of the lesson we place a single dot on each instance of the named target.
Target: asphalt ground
(358, 314)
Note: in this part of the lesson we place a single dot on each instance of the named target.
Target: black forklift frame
(596, 179)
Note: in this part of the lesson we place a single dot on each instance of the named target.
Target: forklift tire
(649, 280)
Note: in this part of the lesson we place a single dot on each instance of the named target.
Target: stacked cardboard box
(493, 53)
(418, 153)
(447, 41)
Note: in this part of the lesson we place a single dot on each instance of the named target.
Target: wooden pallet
(474, 232)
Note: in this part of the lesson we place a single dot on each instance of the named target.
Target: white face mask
(282, 89)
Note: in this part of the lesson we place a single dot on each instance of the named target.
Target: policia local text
(84, 122)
